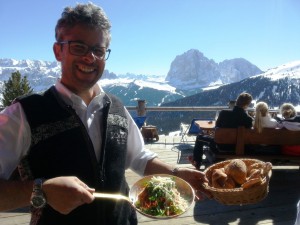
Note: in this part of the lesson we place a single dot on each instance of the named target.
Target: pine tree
(14, 87)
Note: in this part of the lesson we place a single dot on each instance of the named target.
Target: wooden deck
(279, 207)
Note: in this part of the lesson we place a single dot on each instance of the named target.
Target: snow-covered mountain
(41, 74)
(193, 70)
(153, 89)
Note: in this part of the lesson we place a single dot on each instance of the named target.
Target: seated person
(291, 121)
(238, 116)
(288, 113)
(262, 120)
(263, 117)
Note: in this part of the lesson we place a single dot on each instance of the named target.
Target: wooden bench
(242, 136)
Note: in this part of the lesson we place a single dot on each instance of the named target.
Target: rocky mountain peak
(192, 69)
(234, 70)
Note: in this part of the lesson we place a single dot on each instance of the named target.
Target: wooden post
(141, 109)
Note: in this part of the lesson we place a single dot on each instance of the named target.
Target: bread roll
(229, 183)
(218, 178)
(251, 183)
(237, 170)
(255, 173)
(254, 166)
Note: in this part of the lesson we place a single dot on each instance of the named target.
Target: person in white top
(83, 38)
(263, 118)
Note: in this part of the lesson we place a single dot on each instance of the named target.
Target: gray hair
(287, 110)
(84, 14)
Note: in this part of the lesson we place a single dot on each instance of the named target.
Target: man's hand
(196, 179)
(64, 194)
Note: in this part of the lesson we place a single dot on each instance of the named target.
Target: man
(74, 139)
(238, 116)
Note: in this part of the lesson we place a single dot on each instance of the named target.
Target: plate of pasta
(162, 196)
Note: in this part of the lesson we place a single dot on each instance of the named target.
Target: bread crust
(251, 183)
(218, 178)
(237, 170)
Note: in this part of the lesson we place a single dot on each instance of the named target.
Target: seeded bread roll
(237, 170)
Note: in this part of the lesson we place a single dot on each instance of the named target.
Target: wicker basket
(237, 196)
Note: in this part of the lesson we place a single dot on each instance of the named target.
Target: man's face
(80, 73)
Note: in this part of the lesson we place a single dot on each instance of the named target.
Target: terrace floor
(278, 208)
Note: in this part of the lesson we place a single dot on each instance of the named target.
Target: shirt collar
(74, 100)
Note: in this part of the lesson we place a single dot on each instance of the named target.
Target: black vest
(61, 146)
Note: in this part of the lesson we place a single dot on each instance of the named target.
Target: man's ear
(57, 51)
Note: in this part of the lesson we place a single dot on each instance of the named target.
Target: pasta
(160, 197)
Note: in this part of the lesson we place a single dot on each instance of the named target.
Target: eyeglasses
(81, 49)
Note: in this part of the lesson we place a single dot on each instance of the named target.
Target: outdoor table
(207, 126)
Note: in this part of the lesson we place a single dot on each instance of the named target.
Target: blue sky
(147, 35)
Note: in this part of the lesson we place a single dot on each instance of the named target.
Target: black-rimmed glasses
(81, 49)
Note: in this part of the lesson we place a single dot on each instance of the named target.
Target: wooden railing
(207, 112)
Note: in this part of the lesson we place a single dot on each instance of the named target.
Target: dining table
(207, 126)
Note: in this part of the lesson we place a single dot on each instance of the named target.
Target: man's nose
(90, 56)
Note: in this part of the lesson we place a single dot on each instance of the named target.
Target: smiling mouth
(86, 69)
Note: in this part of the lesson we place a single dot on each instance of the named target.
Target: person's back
(235, 118)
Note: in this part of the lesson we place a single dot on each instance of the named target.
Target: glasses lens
(99, 53)
(78, 48)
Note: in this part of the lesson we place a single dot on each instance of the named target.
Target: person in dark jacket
(238, 116)
(75, 139)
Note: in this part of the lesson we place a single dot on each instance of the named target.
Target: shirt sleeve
(137, 154)
(14, 139)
